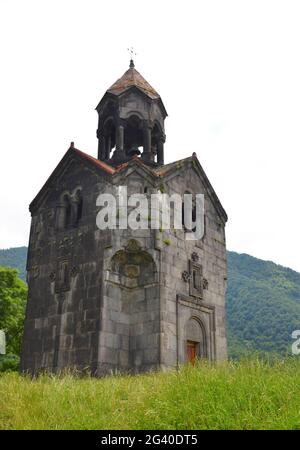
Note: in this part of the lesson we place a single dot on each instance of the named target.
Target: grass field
(243, 395)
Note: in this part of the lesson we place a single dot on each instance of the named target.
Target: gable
(181, 168)
(74, 164)
(135, 170)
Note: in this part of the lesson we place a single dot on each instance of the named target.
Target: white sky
(228, 73)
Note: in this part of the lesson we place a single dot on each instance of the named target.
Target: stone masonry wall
(121, 300)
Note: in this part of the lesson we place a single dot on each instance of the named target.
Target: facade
(122, 299)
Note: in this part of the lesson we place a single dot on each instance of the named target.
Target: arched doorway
(195, 340)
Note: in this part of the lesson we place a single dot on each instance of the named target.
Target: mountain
(15, 258)
(262, 303)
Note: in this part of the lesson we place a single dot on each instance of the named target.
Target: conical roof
(133, 78)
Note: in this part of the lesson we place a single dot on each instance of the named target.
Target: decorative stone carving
(135, 264)
(196, 280)
(80, 238)
(133, 246)
(205, 283)
(195, 256)
(74, 271)
(52, 276)
(62, 281)
(35, 271)
(132, 271)
(186, 276)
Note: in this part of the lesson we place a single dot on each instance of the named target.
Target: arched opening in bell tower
(109, 137)
(133, 136)
(131, 121)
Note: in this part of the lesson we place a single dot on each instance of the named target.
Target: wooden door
(191, 351)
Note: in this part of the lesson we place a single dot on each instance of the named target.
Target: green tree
(13, 294)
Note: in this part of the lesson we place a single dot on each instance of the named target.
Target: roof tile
(133, 78)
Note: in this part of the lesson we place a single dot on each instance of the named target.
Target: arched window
(109, 137)
(63, 212)
(69, 210)
(77, 207)
(193, 213)
(133, 140)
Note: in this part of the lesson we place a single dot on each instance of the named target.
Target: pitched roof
(97, 162)
(155, 171)
(133, 78)
(163, 171)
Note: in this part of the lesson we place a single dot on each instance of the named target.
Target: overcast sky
(228, 73)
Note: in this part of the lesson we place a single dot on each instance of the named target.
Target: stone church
(123, 300)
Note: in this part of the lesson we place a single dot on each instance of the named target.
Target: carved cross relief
(194, 276)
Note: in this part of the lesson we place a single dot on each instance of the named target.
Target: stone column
(120, 139)
(101, 145)
(107, 146)
(147, 155)
(76, 207)
(160, 151)
(119, 154)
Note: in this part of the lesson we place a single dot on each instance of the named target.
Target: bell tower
(131, 121)
(118, 298)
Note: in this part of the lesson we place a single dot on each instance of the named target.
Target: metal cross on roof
(132, 53)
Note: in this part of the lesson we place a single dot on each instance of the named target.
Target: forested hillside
(15, 258)
(263, 305)
(263, 302)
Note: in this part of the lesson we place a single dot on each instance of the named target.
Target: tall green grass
(246, 395)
